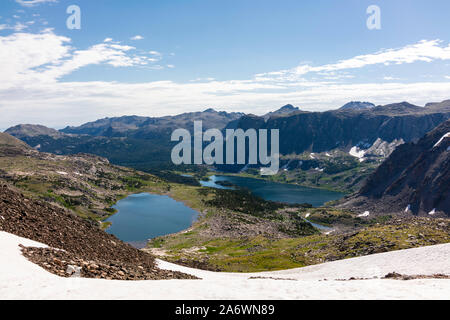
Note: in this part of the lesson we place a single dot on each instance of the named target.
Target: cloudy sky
(158, 58)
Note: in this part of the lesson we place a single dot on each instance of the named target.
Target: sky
(154, 58)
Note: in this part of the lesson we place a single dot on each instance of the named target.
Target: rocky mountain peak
(32, 130)
(357, 105)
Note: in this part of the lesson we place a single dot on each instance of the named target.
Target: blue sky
(251, 56)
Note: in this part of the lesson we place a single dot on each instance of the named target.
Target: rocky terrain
(86, 184)
(378, 276)
(76, 244)
(282, 112)
(415, 179)
(357, 105)
(343, 129)
(348, 236)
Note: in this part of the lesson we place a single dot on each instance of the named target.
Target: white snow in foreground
(408, 208)
(432, 212)
(447, 135)
(312, 156)
(62, 173)
(357, 153)
(307, 215)
(21, 279)
(365, 214)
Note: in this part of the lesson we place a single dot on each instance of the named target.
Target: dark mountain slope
(415, 177)
(324, 131)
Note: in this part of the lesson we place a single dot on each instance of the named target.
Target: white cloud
(17, 27)
(108, 40)
(138, 37)
(31, 90)
(424, 51)
(389, 78)
(46, 57)
(32, 3)
(72, 103)
(447, 77)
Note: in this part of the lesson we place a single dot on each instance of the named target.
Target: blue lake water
(145, 216)
(273, 191)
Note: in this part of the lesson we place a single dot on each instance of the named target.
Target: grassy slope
(341, 172)
(87, 185)
(227, 236)
(353, 236)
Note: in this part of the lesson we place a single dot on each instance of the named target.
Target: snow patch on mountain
(357, 152)
(447, 135)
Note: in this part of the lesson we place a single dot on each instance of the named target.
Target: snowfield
(21, 279)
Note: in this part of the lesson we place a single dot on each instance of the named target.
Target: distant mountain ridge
(144, 142)
(133, 141)
(141, 126)
(344, 129)
(32, 130)
(283, 111)
(357, 105)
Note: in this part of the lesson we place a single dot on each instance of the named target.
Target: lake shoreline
(287, 196)
(259, 177)
(150, 215)
(182, 194)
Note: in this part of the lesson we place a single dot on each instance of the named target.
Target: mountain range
(344, 129)
(144, 142)
(413, 180)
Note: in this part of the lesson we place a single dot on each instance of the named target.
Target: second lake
(273, 191)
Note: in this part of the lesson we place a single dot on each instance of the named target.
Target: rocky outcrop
(31, 130)
(84, 183)
(11, 146)
(282, 112)
(357, 105)
(415, 179)
(84, 245)
(324, 131)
